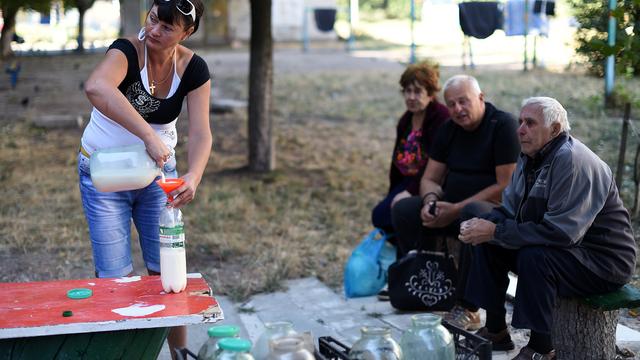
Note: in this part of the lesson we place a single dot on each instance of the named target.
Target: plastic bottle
(173, 258)
(273, 330)
(427, 339)
(122, 168)
(210, 347)
(290, 347)
(375, 343)
(234, 349)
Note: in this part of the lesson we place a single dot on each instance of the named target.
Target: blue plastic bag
(365, 273)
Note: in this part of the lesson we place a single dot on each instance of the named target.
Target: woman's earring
(141, 34)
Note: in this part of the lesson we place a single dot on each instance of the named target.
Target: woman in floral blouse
(414, 136)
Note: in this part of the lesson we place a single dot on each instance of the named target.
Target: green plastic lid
(79, 293)
(222, 331)
(234, 344)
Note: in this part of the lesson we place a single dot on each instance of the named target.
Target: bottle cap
(234, 344)
(79, 293)
(67, 313)
(222, 331)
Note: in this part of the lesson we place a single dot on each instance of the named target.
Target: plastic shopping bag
(365, 273)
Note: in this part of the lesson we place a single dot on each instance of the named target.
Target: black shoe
(501, 340)
(383, 295)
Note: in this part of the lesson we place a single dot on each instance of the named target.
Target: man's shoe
(383, 295)
(527, 353)
(501, 341)
(463, 318)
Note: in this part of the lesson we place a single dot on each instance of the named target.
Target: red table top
(36, 308)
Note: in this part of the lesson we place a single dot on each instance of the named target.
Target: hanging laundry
(325, 18)
(544, 6)
(514, 19)
(480, 19)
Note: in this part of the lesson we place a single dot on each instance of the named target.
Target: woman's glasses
(182, 4)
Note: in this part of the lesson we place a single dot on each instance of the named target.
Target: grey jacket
(566, 197)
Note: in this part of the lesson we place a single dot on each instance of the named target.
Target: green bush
(593, 18)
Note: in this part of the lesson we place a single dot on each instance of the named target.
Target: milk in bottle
(173, 260)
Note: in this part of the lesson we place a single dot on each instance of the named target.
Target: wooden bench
(586, 328)
(123, 318)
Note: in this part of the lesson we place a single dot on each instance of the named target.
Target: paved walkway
(312, 306)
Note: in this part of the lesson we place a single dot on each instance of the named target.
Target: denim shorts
(109, 216)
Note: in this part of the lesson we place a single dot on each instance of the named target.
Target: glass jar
(290, 347)
(375, 343)
(234, 349)
(427, 339)
(272, 330)
(210, 347)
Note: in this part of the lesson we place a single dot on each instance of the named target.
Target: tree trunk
(6, 35)
(129, 17)
(583, 333)
(81, 11)
(261, 147)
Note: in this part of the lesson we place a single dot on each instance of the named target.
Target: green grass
(248, 232)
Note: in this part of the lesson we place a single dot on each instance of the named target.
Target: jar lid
(223, 331)
(234, 344)
(79, 293)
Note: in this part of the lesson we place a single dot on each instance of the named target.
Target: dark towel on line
(325, 18)
(480, 19)
(549, 7)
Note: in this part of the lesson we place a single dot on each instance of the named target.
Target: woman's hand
(185, 193)
(158, 151)
(476, 231)
(399, 196)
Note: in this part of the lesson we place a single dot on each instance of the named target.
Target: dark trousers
(544, 273)
(381, 214)
(410, 234)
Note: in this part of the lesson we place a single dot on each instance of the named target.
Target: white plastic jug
(122, 168)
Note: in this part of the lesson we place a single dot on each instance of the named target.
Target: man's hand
(444, 214)
(476, 231)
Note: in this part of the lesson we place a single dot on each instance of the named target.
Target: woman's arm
(102, 91)
(198, 145)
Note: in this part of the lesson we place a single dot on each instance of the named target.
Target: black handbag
(423, 281)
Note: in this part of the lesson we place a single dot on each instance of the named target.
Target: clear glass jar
(272, 330)
(375, 343)
(210, 347)
(427, 339)
(290, 347)
(234, 349)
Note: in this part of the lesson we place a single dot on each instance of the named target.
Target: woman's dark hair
(425, 73)
(169, 13)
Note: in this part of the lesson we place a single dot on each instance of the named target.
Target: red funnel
(168, 185)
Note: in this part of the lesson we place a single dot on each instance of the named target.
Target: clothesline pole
(609, 71)
(534, 61)
(305, 30)
(353, 20)
(526, 32)
(412, 50)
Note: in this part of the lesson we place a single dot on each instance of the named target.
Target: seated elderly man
(561, 227)
(471, 161)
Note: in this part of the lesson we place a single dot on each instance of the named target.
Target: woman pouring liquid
(137, 93)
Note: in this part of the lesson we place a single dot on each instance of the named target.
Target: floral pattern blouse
(410, 155)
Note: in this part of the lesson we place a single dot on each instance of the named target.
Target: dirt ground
(334, 114)
(44, 185)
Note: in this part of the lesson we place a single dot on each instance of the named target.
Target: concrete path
(312, 306)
